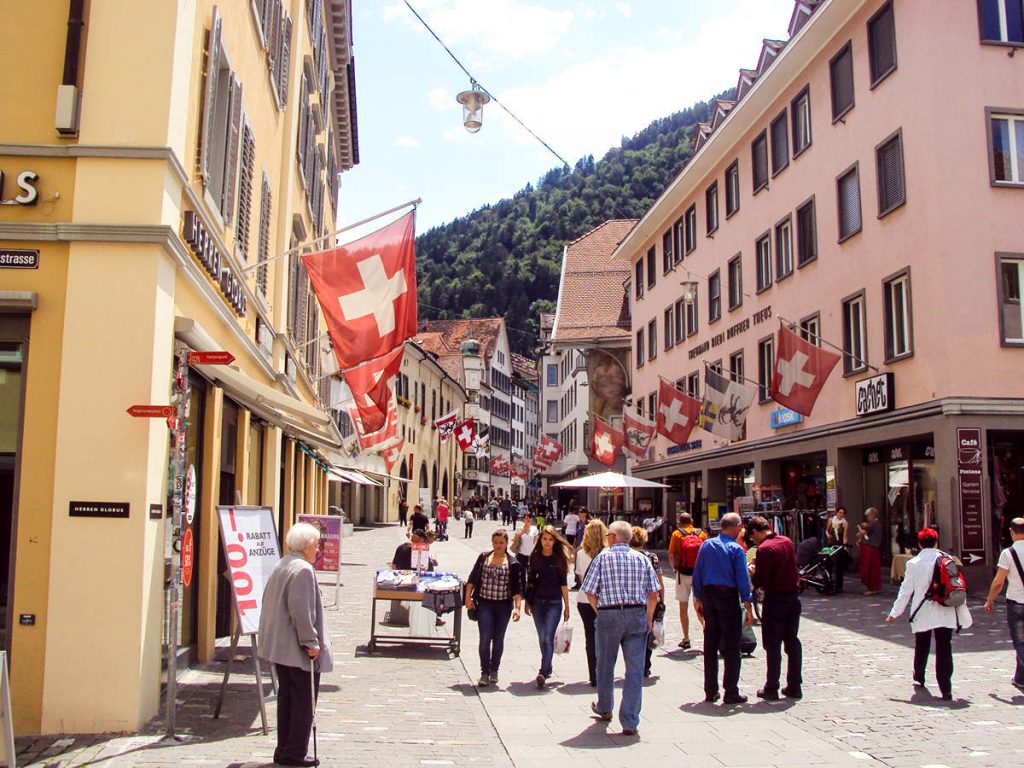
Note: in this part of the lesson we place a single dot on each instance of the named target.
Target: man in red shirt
(774, 571)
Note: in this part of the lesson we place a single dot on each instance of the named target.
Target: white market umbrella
(609, 480)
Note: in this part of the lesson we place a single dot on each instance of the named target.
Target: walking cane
(312, 699)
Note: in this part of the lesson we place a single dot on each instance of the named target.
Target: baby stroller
(818, 573)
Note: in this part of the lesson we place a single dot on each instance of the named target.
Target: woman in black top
(495, 582)
(548, 590)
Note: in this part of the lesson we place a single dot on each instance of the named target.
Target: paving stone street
(413, 706)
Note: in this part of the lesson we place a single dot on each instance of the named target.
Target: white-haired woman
(293, 638)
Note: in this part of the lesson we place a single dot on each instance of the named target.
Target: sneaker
(684, 644)
(483, 682)
(493, 678)
(541, 680)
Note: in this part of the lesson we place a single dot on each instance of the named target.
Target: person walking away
(929, 617)
(403, 512)
(468, 518)
(419, 520)
(570, 525)
(547, 594)
(495, 591)
(637, 542)
(837, 534)
(720, 582)
(869, 536)
(594, 540)
(775, 573)
(682, 556)
(293, 639)
(1010, 571)
(622, 588)
(525, 540)
(442, 518)
(505, 505)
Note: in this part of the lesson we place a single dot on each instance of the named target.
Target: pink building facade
(867, 187)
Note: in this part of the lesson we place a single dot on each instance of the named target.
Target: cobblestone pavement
(414, 706)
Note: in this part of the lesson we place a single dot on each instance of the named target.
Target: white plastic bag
(657, 634)
(563, 639)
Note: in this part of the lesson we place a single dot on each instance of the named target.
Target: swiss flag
(638, 432)
(677, 413)
(465, 434)
(369, 383)
(552, 449)
(540, 458)
(605, 443)
(800, 372)
(382, 438)
(367, 290)
(392, 455)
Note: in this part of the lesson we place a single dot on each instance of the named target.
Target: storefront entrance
(1006, 468)
(899, 480)
(12, 360)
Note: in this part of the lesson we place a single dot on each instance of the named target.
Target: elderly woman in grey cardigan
(293, 638)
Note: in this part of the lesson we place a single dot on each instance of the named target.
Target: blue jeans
(1015, 618)
(493, 617)
(625, 627)
(546, 614)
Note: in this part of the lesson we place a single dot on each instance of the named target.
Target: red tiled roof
(592, 301)
(443, 337)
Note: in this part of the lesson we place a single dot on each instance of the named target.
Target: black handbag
(471, 614)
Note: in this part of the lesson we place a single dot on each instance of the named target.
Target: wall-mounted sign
(922, 450)
(784, 417)
(27, 619)
(18, 259)
(876, 394)
(98, 509)
(204, 247)
(969, 482)
(471, 474)
(732, 331)
(27, 195)
(693, 445)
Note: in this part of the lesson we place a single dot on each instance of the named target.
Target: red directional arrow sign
(219, 357)
(151, 411)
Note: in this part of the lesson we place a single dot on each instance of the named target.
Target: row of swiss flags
(801, 369)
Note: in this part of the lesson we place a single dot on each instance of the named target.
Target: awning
(399, 478)
(353, 476)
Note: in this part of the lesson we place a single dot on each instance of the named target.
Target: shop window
(784, 248)
(711, 208)
(1002, 21)
(848, 197)
(882, 43)
(899, 337)
(854, 344)
(780, 142)
(1011, 308)
(841, 79)
(765, 368)
(763, 250)
(759, 161)
(800, 108)
(735, 282)
(714, 296)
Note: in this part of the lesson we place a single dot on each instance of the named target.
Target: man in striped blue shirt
(623, 589)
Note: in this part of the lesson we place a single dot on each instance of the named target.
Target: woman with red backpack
(682, 556)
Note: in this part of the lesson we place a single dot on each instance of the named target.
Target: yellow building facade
(149, 180)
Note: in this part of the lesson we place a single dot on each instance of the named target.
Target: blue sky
(581, 75)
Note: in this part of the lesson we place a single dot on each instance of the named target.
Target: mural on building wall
(608, 381)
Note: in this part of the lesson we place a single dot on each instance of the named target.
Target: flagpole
(792, 327)
(744, 379)
(329, 235)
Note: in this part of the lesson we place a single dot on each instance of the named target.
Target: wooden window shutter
(247, 166)
(891, 185)
(266, 13)
(274, 37)
(302, 308)
(234, 123)
(309, 151)
(293, 283)
(210, 99)
(264, 246)
(300, 143)
(283, 72)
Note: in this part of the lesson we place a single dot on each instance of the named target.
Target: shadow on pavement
(594, 736)
(1016, 701)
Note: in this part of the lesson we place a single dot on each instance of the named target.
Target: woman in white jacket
(929, 616)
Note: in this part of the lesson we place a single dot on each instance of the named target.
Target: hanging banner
(252, 551)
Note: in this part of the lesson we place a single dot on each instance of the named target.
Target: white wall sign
(876, 394)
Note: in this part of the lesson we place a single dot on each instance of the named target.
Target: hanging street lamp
(473, 102)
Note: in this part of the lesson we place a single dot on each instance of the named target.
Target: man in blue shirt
(720, 582)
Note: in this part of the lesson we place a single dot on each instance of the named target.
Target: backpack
(688, 549)
(948, 586)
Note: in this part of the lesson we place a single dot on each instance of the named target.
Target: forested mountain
(504, 259)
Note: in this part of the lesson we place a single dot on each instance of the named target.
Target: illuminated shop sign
(783, 417)
(205, 249)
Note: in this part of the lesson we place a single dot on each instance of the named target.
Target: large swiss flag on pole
(367, 290)
(370, 387)
(677, 413)
(800, 372)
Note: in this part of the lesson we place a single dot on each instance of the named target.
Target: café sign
(205, 249)
(875, 394)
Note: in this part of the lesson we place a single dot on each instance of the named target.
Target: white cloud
(407, 142)
(442, 99)
(625, 9)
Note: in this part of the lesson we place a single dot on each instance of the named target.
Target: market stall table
(405, 595)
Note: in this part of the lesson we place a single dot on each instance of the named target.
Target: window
(1011, 308)
(801, 109)
(691, 228)
(711, 207)
(735, 282)
(882, 43)
(263, 246)
(783, 248)
(669, 322)
(780, 143)
(666, 251)
(680, 320)
(691, 317)
(841, 74)
(716, 366)
(763, 248)
(732, 189)
(736, 366)
(552, 375)
(1007, 164)
(652, 339)
(247, 168)
(652, 260)
(640, 406)
(714, 296)
(640, 348)
(693, 385)
(1002, 21)
(678, 250)
(806, 234)
(765, 368)
(640, 278)
(652, 405)
(809, 329)
(759, 161)
(848, 198)
(899, 337)
(853, 334)
(892, 188)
